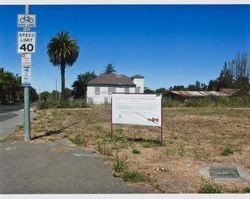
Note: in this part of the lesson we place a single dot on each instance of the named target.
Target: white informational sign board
(26, 76)
(26, 42)
(136, 109)
(26, 60)
(26, 21)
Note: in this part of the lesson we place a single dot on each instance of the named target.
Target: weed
(227, 151)
(246, 190)
(136, 151)
(134, 177)
(119, 130)
(99, 128)
(158, 187)
(149, 144)
(78, 140)
(122, 142)
(169, 151)
(181, 150)
(104, 149)
(208, 186)
(120, 165)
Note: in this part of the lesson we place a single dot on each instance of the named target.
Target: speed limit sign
(26, 42)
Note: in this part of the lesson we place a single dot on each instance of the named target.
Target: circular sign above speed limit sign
(26, 42)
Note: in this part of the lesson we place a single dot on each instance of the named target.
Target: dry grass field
(193, 139)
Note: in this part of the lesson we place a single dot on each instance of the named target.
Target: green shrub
(208, 186)
(119, 130)
(136, 151)
(227, 151)
(104, 149)
(134, 177)
(181, 150)
(43, 105)
(241, 100)
(78, 140)
(120, 165)
(246, 190)
(62, 104)
(149, 144)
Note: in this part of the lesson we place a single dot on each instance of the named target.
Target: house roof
(137, 76)
(198, 93)
(229, 91)
(111, 80)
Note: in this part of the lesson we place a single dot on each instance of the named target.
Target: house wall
(104, 96)
(139, 82)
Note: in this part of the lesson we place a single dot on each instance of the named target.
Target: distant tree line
(11, 90)
(234, 74)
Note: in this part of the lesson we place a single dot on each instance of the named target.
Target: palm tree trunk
(62, 82)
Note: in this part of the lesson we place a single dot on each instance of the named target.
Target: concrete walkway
(11, 117)
(27, 168)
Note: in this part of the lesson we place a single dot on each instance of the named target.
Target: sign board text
(26, 42)
(26, 76)
(26, 60)
(136, 109)
(26, 21)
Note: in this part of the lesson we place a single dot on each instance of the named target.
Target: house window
(90, 100)
(137, 89)
(97, 90)
(105, 100)
(126, 90)
(111, 90)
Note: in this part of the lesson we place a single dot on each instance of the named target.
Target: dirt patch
(193, 138)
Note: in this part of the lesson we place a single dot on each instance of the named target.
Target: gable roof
(111, 80)
(137, 76)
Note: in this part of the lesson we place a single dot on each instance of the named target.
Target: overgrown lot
(193, 138)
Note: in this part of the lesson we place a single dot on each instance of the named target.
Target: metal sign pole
(26, 99)
(161, 122)
(111, 118)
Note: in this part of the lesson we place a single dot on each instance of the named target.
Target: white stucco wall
(139, 82)
(104, 95)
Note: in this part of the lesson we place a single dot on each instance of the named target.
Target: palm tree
(62, 51)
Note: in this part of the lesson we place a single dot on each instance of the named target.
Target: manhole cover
(224, 172)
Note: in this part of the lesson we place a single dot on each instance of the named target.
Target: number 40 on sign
(26, 42)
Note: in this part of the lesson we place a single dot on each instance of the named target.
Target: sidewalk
(59, 168)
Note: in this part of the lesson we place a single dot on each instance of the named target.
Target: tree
(55, 95)
(10, 84)
(67, 93)
(109, 69)
(191, 87)
(44, 96)
(62, 51)
(225, 79)
(178, 88)
(33, 94)
(161, 90)
(11, 89)
(240, 67)
(148, 90)
(80, 85)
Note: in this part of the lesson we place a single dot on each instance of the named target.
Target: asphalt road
(27, 168)
(31, 168)
(11, 116)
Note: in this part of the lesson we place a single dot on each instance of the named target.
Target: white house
(100, 89)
